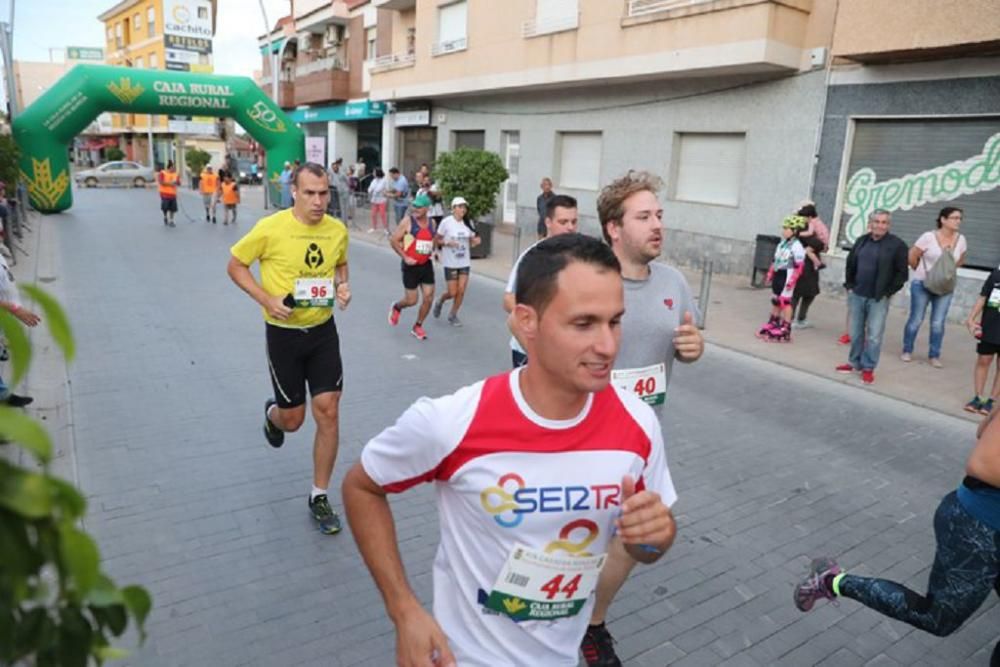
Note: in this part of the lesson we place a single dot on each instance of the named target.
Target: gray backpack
(943, 276)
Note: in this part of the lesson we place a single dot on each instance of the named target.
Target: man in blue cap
(413, 241)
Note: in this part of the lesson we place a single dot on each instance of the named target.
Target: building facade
(325, 52)
(160, 34)
(912, 124)
(723, 98)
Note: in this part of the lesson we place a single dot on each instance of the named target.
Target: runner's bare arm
(341, 275)
(646, 526)
(418, 635)
(240, 274)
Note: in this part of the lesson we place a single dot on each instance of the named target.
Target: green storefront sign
(351, 111)
(84, 53)
(46, 127)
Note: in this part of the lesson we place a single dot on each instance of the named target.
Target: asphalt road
(772, 466)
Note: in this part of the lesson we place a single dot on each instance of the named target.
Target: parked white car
(120, 172)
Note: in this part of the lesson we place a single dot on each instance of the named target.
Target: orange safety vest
(168, 184)
(209, 182)
(229, 193)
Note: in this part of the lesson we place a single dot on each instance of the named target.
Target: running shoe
(17, 401)
(454, 321)
(818, 585)
(986, 407)
(438, 305)
(975, 405)
(274, 435)
(329, 522)
(598, 647)
(845, 369)
(418, 332)
(868, 376)
(394, 313)
(845, 339)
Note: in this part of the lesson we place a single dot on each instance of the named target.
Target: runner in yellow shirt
(303, 270)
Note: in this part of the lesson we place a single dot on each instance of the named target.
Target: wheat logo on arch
(125, 91)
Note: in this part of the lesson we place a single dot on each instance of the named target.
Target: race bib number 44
(314, 293)
(537, 586)
(649, 383)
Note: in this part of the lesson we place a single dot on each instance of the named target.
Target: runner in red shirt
(413, 241)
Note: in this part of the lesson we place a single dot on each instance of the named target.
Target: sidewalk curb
(964, 416)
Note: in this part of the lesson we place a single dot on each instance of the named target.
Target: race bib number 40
(314, 293)
(649, 383)
(536, 586)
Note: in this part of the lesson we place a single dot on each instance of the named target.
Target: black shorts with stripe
(296, 357)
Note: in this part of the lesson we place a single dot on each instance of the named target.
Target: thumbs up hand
(688, 341)
(646, 526)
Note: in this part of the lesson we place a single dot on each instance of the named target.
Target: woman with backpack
(935, 259)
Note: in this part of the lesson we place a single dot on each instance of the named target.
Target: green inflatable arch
(44, 130)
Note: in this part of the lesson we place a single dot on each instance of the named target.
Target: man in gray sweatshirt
(658, 328)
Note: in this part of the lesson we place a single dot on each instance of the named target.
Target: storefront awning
(364, 110)
(276, 46)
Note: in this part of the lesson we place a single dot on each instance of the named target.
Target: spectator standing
(876, 269)
(398, 191)
(984, 324)
(542, 205)
(923, 256)
(378, 201)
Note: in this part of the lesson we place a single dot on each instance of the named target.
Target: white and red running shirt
(505, 476)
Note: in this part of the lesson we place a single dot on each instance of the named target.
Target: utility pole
(274, 88)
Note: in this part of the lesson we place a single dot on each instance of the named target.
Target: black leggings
(805, 302)
(966, 567)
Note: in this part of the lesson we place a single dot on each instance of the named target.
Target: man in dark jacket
(876, 269)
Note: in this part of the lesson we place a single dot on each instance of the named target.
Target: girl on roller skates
(789, 259)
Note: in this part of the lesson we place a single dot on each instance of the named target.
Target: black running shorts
(418, 274)
(453, 274)
(299, 356)
(168, 204)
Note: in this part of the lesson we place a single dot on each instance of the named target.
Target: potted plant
(476, 175)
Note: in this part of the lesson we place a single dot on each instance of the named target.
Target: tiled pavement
(772, 466)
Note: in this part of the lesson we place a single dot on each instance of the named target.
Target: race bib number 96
(314, 293)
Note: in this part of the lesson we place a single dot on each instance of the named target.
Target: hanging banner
(316, 150)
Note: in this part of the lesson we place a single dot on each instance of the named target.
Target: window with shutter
(708, 167)
(579, 160)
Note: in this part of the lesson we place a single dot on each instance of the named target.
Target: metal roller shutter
(896, 148)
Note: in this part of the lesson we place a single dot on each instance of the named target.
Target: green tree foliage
(9, 155)
(196, 160)
(113, 153)
(57, 608)
(471, 173)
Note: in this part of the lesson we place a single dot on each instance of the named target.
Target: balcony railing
(441, 48)
(545, 26)
(320, 65)
(645, 7)
(393, 61)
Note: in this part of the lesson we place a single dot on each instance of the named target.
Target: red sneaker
(845, 339)
(418, 332)
(868, 376)
(845, 368)
(394, 314)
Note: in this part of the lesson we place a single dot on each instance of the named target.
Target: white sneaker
(802, 324)
(936, 363)
(907, 357)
